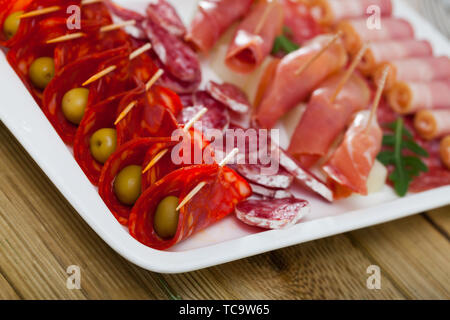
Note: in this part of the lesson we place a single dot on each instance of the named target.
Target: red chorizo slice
(73, 76)
(151, 116)
(223, 191)
(272, 213)
(132, 153)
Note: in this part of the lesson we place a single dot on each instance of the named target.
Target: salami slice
(253, 172)
(152, 115)
(73, 76)
(178, 58)
(272, 214)
(224, 189)
(230, 95)
(162, 13)
(217, 116)
(132, 153)
(434, 178)
(267, 193)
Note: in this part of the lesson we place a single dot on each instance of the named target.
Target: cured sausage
(212, 19)
(253, 172)
(230, 95)
(329, 12)
(432, 124)
(254, 36)
(167, 17)
(353, 160)
(273, 213)
(224, 189)
(73, 76)
(384, 51)
(356, 32)
(408, 97)
(9, 7)
(154, 114)
(287, 88)
(132, 153)
(324, 120)
(445, 151)
(414, 69)
(267, 193)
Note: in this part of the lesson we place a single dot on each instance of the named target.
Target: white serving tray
(229, 239)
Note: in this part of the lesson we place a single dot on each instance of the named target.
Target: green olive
(11, 24)
(42, 71)
(127, 184)
(165, 221)
(74, 104)
(103, 143)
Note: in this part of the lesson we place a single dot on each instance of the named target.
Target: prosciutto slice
(288, 88)
(324, 120)
(356, 32)
(410, 97)
(353, 160)
(273, 213)
(254, 37)
(329, 12)
(415, 69)
(432, 124)
(385, 51)
(212, 19)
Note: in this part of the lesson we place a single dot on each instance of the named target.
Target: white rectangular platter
(229, 239)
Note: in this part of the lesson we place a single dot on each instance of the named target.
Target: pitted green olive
(165, 221)
(127, 185)
(74, 104)
(11, 24)
(103, 143)
(41, 72)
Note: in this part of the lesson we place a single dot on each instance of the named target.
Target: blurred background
(435, 11)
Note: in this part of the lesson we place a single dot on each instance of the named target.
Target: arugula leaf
(283, 42)
(406, 168)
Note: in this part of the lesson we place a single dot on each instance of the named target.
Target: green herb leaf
(283, 43)
(406, 168)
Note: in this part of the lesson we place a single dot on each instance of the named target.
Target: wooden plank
(325, 269)
(6, 291)
(440, 218)
(413, 253)
(41, 235)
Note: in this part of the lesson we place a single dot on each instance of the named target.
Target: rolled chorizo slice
(224, 189)
(408, 97)
(432, 124)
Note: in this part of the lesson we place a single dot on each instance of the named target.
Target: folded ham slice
(352, 162)
(254, 37)
(414, 69)
(212, 19)
(329, 12)
(385, 51)
(432, 124)
(324, 120)
(356, 32)
(288, 88)
(410, 97)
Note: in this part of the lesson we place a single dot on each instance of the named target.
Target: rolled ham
(385, 51)
(329, 12)
(324, 120)
(254, 37)
(445, 151)
(356, 32)
(432, 124)
(353, 160)
(410, 97)
(288, 88)
(414, 69)
(212, 19)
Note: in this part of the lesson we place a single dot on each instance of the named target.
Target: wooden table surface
(41, 235)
